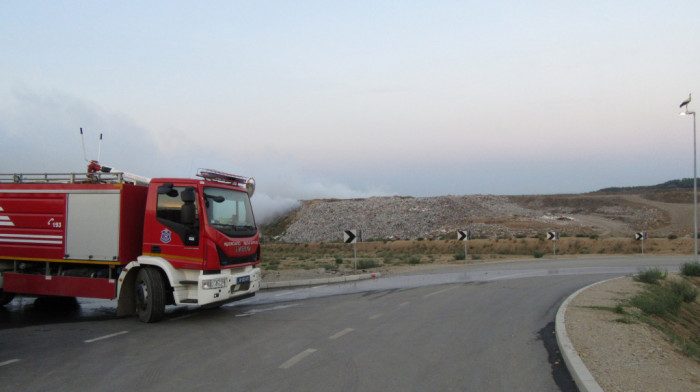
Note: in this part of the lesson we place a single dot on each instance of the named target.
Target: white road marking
(254, 311)
(342, 333)
(297, 358)
(11, 361)
(106, 336)
(376, 316)
(284, 293)
(439, 291)
(183, 317)
(402, 304)
(318, 287)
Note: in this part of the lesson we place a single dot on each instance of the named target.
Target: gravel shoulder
(625, 357)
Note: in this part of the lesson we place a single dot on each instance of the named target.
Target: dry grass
(335, 255)
(671, 307)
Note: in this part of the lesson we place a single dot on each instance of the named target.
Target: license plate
(243, 279)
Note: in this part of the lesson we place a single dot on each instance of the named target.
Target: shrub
(460, 256)
(658, 301)
(691, 269)
(619, 309)
(538, 254)
(593, 236)
(414, 260)
(338, 260)
(476, 257)
(672, 236)
(684, 290)
(651, 276)
(367, 263)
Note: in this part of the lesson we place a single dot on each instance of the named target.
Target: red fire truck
(146, 243)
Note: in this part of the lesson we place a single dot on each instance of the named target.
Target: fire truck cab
(169, 241)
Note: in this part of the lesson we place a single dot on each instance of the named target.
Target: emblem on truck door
(166, 236)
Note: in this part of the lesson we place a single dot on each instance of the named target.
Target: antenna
(94, 166)
(82, 139)
(99, 149)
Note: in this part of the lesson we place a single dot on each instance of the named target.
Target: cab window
(177, 210)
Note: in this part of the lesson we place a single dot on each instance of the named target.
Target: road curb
(582, 376)
(313, 282)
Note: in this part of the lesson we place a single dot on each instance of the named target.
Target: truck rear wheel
(150, 295)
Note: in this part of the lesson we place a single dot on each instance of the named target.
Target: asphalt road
(467, 328)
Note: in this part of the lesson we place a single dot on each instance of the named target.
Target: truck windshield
(229, 212)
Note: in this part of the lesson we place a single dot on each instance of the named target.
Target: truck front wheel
(150, 295)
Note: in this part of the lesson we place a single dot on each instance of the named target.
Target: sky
(320, 99)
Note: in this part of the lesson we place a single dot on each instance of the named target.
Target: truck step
(189, 282)
(189, 301)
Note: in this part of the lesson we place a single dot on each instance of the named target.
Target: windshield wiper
(234, 227)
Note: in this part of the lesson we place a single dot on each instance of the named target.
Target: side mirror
(218, 199)
(167, 189)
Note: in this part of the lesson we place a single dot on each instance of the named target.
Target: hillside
(613, 212)
(685, 183)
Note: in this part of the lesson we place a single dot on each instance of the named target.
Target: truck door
(176, 233)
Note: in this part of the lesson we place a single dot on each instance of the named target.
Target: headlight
(218, 283)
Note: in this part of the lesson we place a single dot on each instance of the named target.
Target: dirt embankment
(487, 216)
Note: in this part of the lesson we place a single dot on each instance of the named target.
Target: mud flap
(126, 300)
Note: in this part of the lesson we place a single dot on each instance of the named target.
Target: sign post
(464, 235)
(553, 236)
(641, 236)
(350, 237)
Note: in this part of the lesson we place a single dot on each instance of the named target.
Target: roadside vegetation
(670, 305)
(385, 253)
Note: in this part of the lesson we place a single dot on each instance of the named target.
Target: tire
(6, 298)
(150, 295)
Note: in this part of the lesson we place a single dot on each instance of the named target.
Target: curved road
(474, 327)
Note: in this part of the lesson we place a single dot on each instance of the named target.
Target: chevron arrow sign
(552, 235)
(463, 235)
(350, 236)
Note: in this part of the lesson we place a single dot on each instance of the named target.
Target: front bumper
(227, 286)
